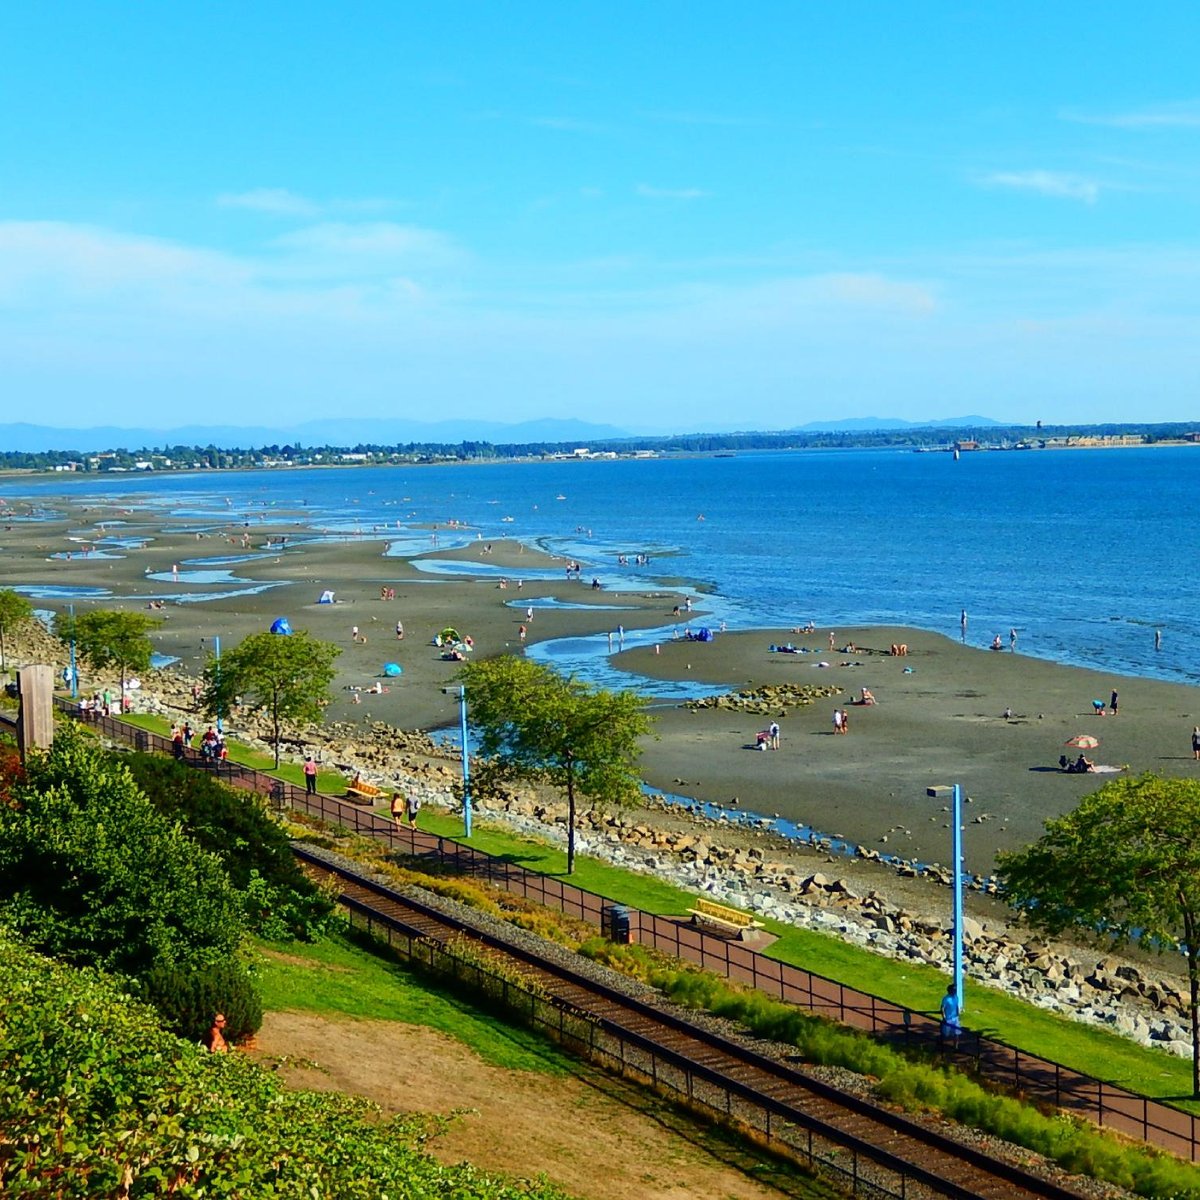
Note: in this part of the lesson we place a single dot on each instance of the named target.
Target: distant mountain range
(865, 424)
(26, 438)
(36, 438)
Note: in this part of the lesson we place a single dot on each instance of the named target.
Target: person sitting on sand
(868, 696)
(1084, 765)
(996, 643)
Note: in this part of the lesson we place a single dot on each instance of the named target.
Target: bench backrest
(734, 916)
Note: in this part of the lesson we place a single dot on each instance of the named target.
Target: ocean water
(1085, 553)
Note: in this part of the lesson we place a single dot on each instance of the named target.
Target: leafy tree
(1124, 866)
(90, 872)
(536, 725)
(107, 638)
(289, 674)
(15, 610)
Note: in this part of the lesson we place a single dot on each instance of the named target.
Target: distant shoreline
(632, 455)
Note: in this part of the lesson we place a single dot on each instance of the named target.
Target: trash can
(615, 923)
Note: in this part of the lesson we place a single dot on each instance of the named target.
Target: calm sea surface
(1086, 553)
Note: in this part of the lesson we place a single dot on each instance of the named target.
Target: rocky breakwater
(766, 701)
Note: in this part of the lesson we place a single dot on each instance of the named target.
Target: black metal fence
(1112, 1107)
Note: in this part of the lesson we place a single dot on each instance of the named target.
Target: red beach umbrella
(1083, 741)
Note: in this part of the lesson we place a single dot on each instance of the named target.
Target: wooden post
(35, 724)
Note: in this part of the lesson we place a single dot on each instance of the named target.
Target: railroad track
(913, 1159)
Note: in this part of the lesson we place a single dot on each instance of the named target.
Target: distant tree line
(191, 458)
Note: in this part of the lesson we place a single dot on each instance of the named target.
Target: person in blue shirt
(951, 1010)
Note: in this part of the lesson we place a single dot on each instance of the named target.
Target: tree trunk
(275, 723)
(570, 815)
(3, 654)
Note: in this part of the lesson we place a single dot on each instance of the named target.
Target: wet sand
(938, 722)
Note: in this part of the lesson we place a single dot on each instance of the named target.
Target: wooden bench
(361, 790)
(729, 920)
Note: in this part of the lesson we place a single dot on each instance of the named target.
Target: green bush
(91, 872)
(235, 825)
(187, 999)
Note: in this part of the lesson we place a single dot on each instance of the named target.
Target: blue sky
(666, 216)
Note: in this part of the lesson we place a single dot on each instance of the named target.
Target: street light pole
(466, 755)
(217, 649)
(74, 673)
(957, 871)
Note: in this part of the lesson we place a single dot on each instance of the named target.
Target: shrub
(187, 999)
(90, 872)
(235, 825)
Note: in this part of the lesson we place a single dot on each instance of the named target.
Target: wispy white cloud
(716, 120)
(1059, 184)
(278, 202)
(1181, 115)
(660, 193)
(567, 124)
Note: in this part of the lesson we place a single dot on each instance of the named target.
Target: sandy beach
(939, 717)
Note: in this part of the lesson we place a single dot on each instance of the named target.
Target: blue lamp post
(217, 650)
(956, 854)
(74, 673)
(466, 755)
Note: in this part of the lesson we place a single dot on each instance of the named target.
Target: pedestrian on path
(310, 776)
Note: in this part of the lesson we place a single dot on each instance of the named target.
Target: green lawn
(336, 977)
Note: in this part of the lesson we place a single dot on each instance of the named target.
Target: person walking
(1196, 743)
(962, 624)
(773, 734)
(837, 720)
(1012, 640)
(397, 807)
(1112, 705)
(310, 775)
(413, 808)
(951, 1010)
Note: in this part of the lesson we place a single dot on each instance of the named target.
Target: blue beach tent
(393, 669)
(281, 625)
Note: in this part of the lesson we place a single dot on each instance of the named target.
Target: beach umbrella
(449, 634)
(1083, 741)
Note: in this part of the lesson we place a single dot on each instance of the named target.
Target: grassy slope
(337, 977)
